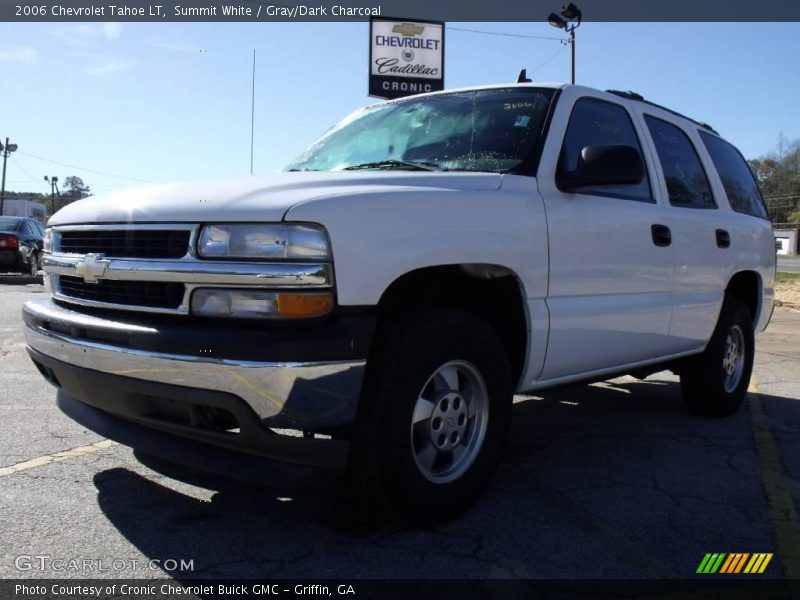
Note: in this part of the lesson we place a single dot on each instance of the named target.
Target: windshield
(10, 224)
(486, 130)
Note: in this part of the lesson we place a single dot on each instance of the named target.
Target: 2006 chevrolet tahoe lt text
(388, 294)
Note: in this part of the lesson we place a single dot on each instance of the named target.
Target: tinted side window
(687, 183)
(599, 123)
(737, 178)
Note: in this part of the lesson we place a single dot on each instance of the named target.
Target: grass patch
(782, 277)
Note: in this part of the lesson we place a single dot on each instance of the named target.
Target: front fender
(378, 237)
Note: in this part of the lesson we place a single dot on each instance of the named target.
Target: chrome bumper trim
(269, 388)
(197, 271)
(191, 273)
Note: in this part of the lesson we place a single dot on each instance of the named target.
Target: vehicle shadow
(603, 481)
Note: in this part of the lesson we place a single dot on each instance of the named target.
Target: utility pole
(572, 46)
(569, 20)
(6, 150)
(253, 112)
(53, 191)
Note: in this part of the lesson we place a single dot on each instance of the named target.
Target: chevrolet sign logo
(408, 29)
(92, 267)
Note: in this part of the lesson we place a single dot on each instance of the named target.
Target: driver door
(609, 294)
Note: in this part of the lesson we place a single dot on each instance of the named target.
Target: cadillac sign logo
(405, 57)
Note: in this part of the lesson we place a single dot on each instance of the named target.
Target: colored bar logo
(734, 563)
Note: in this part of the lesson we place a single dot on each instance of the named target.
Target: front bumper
(126, 372)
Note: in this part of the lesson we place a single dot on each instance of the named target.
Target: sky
(118, 104)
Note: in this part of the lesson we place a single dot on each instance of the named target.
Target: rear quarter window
(738, 181)
(687, 184)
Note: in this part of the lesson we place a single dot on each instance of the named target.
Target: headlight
(263, 241)
(47, 241)
(247, 304)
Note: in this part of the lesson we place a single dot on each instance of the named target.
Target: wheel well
(746, 285)
(494, 293)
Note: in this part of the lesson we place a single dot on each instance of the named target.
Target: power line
(451, 28)
(560, 50)
(505, 34)
(16, 162)
(63, 164)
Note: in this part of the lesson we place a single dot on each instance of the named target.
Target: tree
(778, 174)
(74, 189)
(767, 169)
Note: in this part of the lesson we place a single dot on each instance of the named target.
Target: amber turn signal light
(303, 306)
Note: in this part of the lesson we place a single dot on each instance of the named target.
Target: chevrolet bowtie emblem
(408, 29)
(92, 267)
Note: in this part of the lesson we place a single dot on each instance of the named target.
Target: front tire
(715, 383)
(434, 416)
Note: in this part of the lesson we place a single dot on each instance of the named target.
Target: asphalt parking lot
(603, 481)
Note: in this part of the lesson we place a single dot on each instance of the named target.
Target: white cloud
(109, 64)
(174, 45)
(85, 35)
(83, 29)
(111, 30)
(21, 54)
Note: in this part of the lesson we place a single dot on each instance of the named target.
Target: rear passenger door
(609, 293)
(700, 235)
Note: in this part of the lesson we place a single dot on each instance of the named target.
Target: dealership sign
(405, 57)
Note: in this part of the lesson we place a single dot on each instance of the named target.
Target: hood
(254, 198)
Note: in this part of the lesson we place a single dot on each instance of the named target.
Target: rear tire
(715, 383)
(33, 267)
(434, 415)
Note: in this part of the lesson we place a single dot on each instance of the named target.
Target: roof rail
(629, 95)
(634, 96)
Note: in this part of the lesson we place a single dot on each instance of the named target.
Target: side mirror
(602, 165)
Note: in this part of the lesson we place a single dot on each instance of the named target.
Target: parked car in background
(20, 244)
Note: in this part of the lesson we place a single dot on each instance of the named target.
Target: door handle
(723, 238)
(662, 236)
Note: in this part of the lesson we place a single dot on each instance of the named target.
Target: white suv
(388, 294)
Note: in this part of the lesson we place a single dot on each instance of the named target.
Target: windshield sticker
(516, 105)
(522, 121)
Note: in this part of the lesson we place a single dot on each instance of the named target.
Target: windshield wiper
(395, 164)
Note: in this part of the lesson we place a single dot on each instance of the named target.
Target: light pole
(53, 191)
(6, 150)
(569, 20)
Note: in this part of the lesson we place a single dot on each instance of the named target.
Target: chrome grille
(126, 243)
(151, 294)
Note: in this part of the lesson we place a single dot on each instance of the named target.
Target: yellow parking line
(56, 457)
(782, 512)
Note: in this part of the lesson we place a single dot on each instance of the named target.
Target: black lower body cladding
(213, 396)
